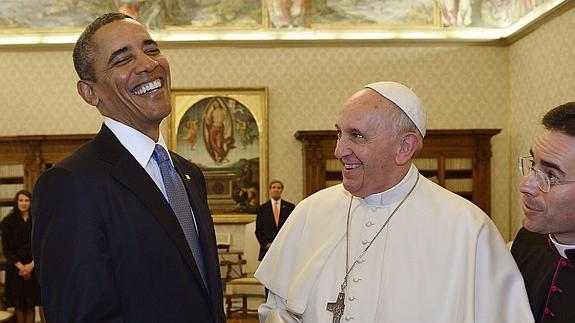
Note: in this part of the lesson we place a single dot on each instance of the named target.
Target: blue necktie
(180, 203)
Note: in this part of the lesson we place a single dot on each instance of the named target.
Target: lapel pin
(187, 176)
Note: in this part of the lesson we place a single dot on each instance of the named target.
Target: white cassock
(440, 259)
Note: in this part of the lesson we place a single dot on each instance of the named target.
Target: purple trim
(552, 246)
(562, 263)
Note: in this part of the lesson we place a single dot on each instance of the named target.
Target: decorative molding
(233, 218)
(183, 38)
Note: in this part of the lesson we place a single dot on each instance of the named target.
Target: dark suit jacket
(266, 229)
(108, 247)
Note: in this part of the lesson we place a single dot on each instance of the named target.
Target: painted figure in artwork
(287, 13)
(190, 135)
(130, 7)
(455, 12)
(219, 128)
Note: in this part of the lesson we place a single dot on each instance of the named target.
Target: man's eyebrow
(150, 42)
(548, 164)
(124, 49)
(117, 53)
(552, 165)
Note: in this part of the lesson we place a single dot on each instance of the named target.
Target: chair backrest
(251, 249)
(223, 240)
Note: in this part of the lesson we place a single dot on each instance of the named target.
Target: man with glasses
(545, 247)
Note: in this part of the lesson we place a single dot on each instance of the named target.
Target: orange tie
(276, 213)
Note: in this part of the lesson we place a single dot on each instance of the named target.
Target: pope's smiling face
(367, 144)
(132, 83)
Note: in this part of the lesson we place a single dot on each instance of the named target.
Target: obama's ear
(86, 91)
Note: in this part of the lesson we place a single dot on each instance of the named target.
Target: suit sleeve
(8, 246)
(71, 252)
(291, 207)
(260, 234)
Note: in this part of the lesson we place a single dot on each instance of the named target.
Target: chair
(245, 286)
(5, 316)
(223, 240)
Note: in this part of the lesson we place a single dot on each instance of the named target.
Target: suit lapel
(131, 174)
(281, 219)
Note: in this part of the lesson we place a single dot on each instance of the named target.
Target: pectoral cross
(337, 307)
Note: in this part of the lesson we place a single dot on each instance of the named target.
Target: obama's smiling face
(132, 77)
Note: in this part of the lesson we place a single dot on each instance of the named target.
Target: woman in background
(22, 290)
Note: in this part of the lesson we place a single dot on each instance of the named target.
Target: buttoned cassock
(440, 259)
(549, 277)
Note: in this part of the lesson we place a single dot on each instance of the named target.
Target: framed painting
(224, 132)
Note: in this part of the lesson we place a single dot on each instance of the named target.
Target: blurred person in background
(22, 290)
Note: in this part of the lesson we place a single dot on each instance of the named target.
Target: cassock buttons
(351, 298)
(356, 279)
(364, 242)
(369, 224)
(555, 289)
(349, 318)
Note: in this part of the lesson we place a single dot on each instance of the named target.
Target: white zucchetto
(405, 99)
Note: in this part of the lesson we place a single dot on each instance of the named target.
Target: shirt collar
(139, 145)
(396, 193)
(561, 248)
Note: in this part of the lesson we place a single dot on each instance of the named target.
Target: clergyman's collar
(396, 193)
(566, 251)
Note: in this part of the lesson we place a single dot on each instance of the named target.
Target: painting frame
(245, 108)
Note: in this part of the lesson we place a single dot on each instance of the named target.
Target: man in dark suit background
(270, 221)
(111, 240)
